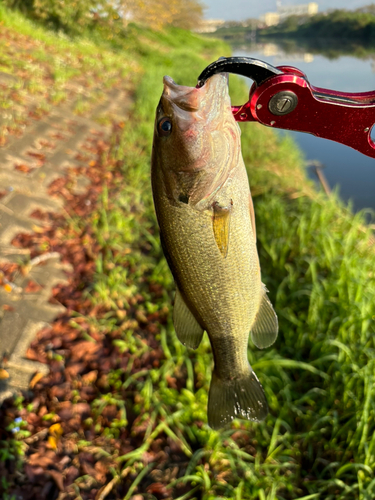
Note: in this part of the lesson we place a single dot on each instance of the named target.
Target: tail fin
(238, 398)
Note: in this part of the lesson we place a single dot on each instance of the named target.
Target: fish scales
(204, 210)
(219, 288)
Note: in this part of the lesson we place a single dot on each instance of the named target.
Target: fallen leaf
(158, 489)
(56, 430)
(58, 478)
(84, 350)
(38, 460)
(90, 378)
(23, 168)
(55, 433)
(7, 307)
(52, 441)
(3, 374)
(38, 376)
(38, 229)
(32, 287)
(82, 409)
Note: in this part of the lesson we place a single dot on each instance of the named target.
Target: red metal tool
(283, 98)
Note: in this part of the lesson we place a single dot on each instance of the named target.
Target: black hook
(255, 69)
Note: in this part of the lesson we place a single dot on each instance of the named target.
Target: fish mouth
(193, 99)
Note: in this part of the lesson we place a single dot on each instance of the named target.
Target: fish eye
(165, 126)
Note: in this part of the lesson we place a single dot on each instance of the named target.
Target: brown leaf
(88, 393)
(65, 411)
(36, 355)
(32, 287)
(37, 459)
(61, 392)
(88, 469)
(58, 478)
(23, 168)
(71, 475)
(82, 409)
(73, 370)
(90, 377)
(73, 424)
(158, 489)
(7, 307)
(101, 471)
(84, 350)
(110, 412)
(34, 474)
(171, 382)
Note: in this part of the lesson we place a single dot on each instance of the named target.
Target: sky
(237, 10)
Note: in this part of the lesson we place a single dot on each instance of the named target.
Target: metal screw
(283, 103)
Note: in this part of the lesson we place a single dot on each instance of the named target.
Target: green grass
(316, 260)
(318, 441)
(52, 69)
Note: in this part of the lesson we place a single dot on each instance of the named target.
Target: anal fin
(188, 330)
(265, 328)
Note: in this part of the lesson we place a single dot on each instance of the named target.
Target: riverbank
(339, 24)
(330, 33)
(123, 410)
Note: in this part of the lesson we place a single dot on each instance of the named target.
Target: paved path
(53, 141)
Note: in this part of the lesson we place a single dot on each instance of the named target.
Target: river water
(351, 171)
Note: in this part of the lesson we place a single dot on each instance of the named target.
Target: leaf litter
(69, 409)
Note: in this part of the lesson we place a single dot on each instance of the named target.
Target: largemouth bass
(207, 227)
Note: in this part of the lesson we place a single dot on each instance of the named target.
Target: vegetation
(331, 33)
(75, 16)
(340, 24)
(144, 430)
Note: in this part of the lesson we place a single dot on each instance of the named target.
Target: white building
(209, 25)
(306, 9)
(273, 18)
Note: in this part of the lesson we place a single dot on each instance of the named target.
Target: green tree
(72, 15)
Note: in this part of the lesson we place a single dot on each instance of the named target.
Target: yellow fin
(265, 328)
(188, 330)
(220, 224)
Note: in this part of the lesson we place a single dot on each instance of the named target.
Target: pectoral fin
(265, 327)
(188, 330)
(220, 225)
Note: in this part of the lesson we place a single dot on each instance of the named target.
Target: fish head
(191, 142)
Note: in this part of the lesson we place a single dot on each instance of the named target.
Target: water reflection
(351, 171)
(276, 51)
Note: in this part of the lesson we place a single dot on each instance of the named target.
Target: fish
(207, 228)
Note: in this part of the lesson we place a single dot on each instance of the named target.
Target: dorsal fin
(265, 327)
(188, 330)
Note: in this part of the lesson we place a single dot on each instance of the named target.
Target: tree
(72, 15)
(158, 13)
